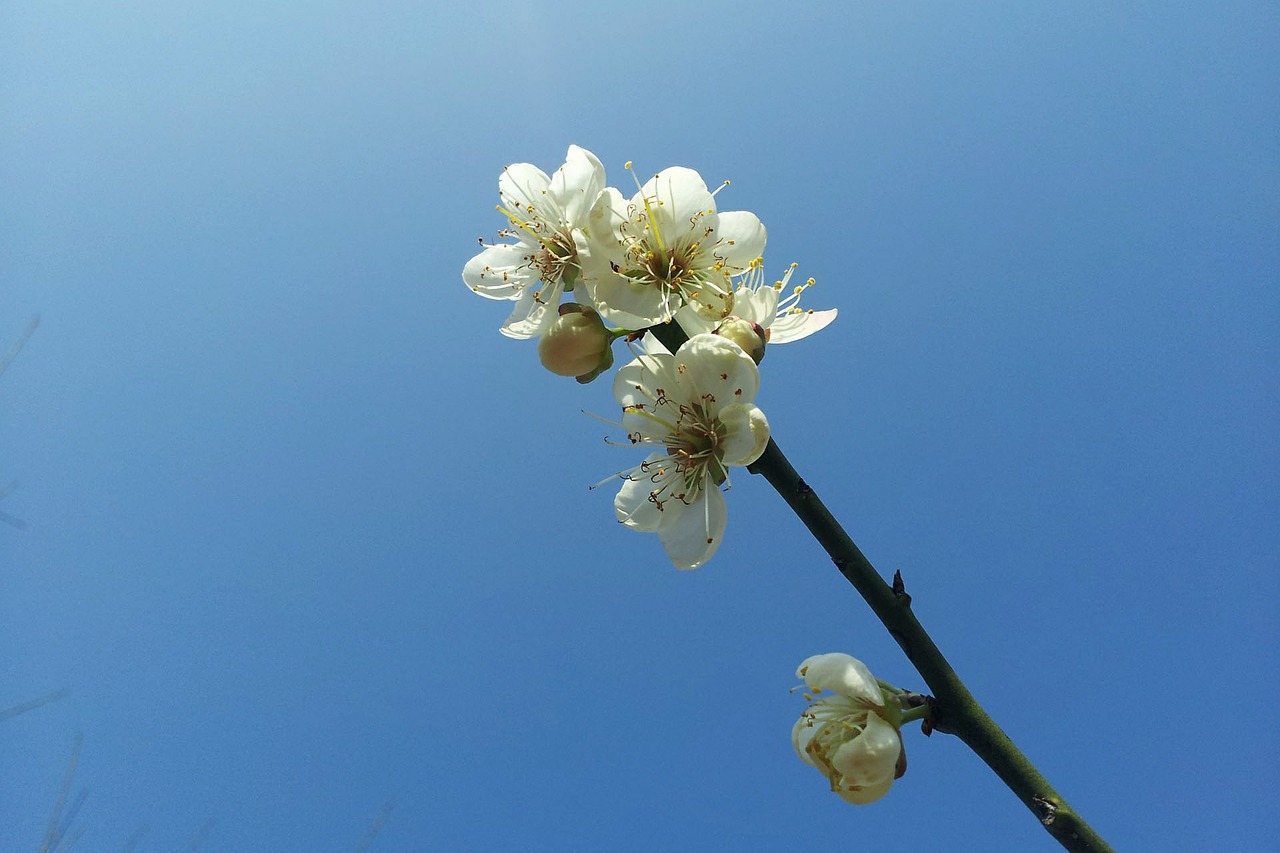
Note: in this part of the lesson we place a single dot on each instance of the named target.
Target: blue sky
(307, 536)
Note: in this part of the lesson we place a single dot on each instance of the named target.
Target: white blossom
(851, 735)
(547, 216)
(664, 248)
(696, 407)
(757, 301)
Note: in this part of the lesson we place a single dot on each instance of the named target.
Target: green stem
(955, 711)
(920, 712)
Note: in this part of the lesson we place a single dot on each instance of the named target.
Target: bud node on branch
(1048, 810)
(900, 589)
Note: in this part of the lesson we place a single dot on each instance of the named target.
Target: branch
(955, 711)
(17, 347)
(40, 701)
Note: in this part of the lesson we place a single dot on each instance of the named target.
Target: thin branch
(375, 827)
(200, 837)
(18, 345)
(12, 520)
(52, 835)
(38, 702)
(64, 826)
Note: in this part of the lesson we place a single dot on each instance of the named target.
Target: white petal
(626, 305)
(522, 185)
(801, 733)
(758, 306)
(576, 185)
(741, 238)
(793, 327)
(679, 202)
(871, 758)
(636, 382)
(501, 271)
(747, 434)
(842, 674)
(533, 313)
(633, 505)
(694, 323)
(717, 366)
(692, 536)
(604, 221)
(653, 346)
(862, 796)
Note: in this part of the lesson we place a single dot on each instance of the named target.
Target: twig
(52, 835)
(200, 837)
(17, 346)
(375, 827)
(40, 701)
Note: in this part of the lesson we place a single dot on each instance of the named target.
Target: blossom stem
(919, 712)
(954, 710)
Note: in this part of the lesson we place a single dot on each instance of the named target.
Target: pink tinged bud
(576, 343)
(748, 335)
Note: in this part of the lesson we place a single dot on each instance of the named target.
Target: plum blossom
(665, 248)
(757, 301)
(696, 407)
(852, 735)
(547, 217)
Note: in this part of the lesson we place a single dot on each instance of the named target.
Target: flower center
(670, 270)
(695, 446)
(557, 260)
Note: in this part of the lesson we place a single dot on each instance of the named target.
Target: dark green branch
(955, 711)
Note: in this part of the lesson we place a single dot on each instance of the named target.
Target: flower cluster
(586, 265)
(665, 253)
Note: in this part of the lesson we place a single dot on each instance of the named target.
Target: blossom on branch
(547, 216)
(852, 735)
(665, 248)
(696, 407)
(757, 301)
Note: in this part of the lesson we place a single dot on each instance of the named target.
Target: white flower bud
(576, 343)
(747, 334)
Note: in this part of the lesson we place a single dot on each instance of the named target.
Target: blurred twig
(376, 826)
(4, 364)
(19, 344)
(201, 836)
(54, 833)
(38, 702)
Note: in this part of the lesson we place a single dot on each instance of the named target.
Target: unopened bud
(748, 335)
(576, 344)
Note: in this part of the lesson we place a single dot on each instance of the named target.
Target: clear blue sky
(306, 535)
